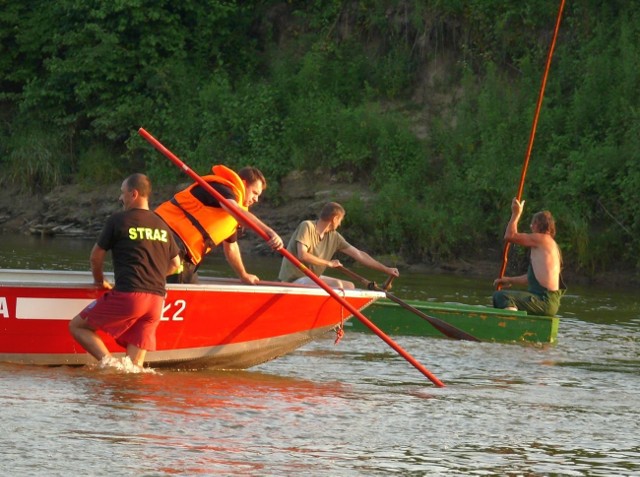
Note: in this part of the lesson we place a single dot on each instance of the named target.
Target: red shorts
(130, 317)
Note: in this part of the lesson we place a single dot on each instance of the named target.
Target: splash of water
(121, 365)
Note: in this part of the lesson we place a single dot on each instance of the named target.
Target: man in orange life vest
(200, 222)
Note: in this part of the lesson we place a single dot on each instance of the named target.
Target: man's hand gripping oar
(240, 215)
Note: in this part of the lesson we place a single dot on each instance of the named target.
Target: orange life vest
(200, 227)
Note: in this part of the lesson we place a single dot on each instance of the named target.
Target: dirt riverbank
(80, 211)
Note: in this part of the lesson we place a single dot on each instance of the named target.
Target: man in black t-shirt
(143, 252)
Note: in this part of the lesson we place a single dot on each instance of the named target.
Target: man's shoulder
(141, 212)
(544, 239)
(304, 231)
(117, 216)
(542, 242)
(306, 225)
(339, 238)
(145, 216)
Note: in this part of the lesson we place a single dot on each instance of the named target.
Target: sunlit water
(355, 408)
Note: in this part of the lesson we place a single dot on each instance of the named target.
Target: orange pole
(534, 126)
(240, 215)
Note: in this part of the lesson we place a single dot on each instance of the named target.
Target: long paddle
(241, 216)
(442, 326)
(532, 134)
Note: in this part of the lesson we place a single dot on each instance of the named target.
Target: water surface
(347, 409)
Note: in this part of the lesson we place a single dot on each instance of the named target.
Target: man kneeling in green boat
(543, 277)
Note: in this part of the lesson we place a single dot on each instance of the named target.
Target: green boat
(484, 323)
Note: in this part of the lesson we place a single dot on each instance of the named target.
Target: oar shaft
(242, 217)
(543, 85)
(355, 276)
(442, 326)
(532, 134)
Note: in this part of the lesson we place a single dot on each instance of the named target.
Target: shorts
(129, 317)
(545, 305)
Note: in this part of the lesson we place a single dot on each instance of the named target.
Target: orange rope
(340, 328)
(533, 128)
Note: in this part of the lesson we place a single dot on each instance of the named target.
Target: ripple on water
(355, 408)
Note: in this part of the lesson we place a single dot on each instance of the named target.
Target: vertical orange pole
(525, 166)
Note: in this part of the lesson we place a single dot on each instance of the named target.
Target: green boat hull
(486, 324)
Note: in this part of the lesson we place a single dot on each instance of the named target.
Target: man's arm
(368, 261)
(275, 242)
(508, 281)
(97, 267)
(234, 258)
(174, 265)
(305, 256)
(512, 235)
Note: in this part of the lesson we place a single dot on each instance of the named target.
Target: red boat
(218, 324)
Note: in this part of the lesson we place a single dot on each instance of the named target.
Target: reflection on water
(355, 408)
(33, 252)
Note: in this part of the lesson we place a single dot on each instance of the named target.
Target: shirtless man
(543, 277)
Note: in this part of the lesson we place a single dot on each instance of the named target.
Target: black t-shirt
(142, 247)
(210, 201)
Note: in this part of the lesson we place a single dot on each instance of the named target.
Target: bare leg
(87, 337)
(511, 308)
(136, 355)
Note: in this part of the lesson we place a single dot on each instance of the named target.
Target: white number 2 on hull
(173, 311)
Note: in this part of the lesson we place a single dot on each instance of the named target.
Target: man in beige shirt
(314, 243)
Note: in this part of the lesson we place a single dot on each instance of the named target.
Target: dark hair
(331, 210)
(251, 174)
(544, 222)
(139, 182)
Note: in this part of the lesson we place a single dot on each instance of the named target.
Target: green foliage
(242, 127)
(37, 160)
(96, 166)
(496, 31)
(98, 68)
(482, 158)
(343, 87)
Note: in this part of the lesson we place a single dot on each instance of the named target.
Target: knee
(76, 324)
(73, 324)
(499, 300)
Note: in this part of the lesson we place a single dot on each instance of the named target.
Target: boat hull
(486, 324)
(218, 324)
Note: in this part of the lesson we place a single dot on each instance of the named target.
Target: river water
(351, 409)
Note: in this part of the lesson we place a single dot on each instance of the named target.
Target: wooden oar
(440, 325)
(386, 286)
(241, 216)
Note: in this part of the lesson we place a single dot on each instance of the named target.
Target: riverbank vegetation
(430, 103)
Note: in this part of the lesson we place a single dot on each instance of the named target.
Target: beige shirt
(308, 235)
